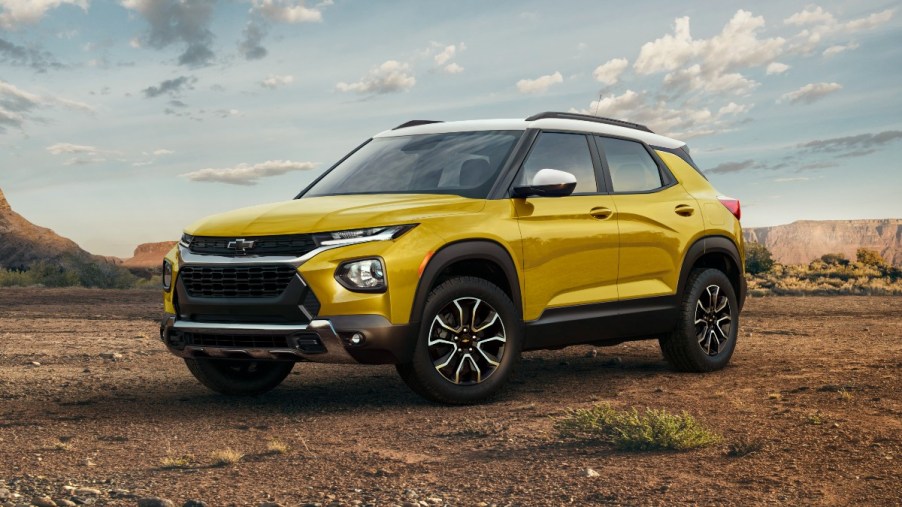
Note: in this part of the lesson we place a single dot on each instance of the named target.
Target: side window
(565, 152)
(632, 168)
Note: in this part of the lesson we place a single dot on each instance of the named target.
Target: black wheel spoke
(712, 320)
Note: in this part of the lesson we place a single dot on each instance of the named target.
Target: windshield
(460, 163)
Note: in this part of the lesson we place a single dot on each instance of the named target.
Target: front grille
(294, 245)
(266, 281)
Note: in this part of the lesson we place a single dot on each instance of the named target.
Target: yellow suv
(448, 248)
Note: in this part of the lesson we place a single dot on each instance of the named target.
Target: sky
(121, 122)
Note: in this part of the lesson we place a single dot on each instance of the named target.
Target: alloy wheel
(713, 320)
(466, 341)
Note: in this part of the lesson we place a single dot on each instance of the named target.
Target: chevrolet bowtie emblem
(241, 245)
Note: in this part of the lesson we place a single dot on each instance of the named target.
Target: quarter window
(631, 166)
(564, 152)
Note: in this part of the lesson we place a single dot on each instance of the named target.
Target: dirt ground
(90, 398)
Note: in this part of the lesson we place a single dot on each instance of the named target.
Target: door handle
(684, 210)
(601, 213)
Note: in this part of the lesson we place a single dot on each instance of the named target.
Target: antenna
(597, 102)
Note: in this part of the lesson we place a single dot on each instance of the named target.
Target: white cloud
(275, 81)
(22, 12)
(610, 71)
(247, 174)
(69, 148)
(289, 11)
(444, 55)
(162, 152)
(453, 68)
(668, 52)
(811, 15)
(733, 108)
(540, 84)
(789, 180)
(839, 48)
(811, 92)
(818, 25)
(693, 79)
(776, 68)
(18, 106)
(389, 77)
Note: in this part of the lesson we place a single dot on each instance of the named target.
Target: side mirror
(548, 183)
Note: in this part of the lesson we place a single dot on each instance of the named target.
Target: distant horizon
(122, 122)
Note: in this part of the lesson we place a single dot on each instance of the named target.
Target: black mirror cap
(560, 190)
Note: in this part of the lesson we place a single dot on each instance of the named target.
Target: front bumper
(322, 340)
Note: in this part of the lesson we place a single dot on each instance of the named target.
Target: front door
(569, 243)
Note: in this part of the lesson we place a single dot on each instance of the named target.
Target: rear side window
(564, 152)
(631, 167)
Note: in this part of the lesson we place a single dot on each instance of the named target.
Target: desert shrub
(631, 430)
(758, 259)
(869, 257)
(69, 273)
(835, 259)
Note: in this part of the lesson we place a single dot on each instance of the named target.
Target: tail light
(732, 205)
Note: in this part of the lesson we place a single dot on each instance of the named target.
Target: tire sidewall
(444, 294)
(694, 292)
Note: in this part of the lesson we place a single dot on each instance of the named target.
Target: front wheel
(705, 335)
(239, 377)
(469, 342)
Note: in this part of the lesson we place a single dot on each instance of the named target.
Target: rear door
(656, 216)
(569, 243)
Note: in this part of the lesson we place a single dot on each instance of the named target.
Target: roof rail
(414, 123)
(587, 117)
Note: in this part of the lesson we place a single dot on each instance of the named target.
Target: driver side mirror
(548, 183)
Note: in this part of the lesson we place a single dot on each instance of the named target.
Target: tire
(705, 336)
(452, 360)
(239, 377)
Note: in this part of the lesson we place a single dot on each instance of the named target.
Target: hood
(333, 213)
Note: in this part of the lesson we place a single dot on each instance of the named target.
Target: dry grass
(226, 457)
(62, 446)
(822, 279)
(175, 462)
(276, 446)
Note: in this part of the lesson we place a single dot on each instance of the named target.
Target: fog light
(357, 339)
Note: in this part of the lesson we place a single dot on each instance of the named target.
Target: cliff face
(149, 255)
(803, 241)
(22, 243)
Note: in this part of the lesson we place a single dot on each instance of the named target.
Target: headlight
(363, 275)
(186, 240)
(167, 275)
(352, 236)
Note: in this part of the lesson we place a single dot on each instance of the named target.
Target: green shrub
(869, 257)
(69, 272)
(631, 430)
(835, 259)
(758, 259)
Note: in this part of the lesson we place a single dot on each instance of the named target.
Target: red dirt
(814, 382)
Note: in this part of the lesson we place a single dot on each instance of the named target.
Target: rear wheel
(469, 343)
(239, 377)
(705, 336)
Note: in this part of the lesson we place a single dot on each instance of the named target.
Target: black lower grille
(293, 244)
(241, 341)
(236, 282)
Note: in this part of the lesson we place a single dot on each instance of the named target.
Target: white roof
(545, 123)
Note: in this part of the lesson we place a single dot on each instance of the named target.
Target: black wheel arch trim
(470, 249)
(713, 244)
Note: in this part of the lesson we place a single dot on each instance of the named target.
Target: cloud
(776, 68)
(790, 180)
(69, 149)
(290, 11)
(839, 48)
(275, 81)
(178, 22)
(818, 25)
(732, 167)
(445, 55)
(18, 106)
(693, 79)
(453, 68)
(539, 84)
(733, 108)
(20, 56)
(610, 71)
(170, 86)
(852, 146)
(246, 174)
(390, 77)
(162, 152)
(810, 93)
(250, 46)
(25, 12)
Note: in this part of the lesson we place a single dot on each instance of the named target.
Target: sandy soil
(91, 405)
